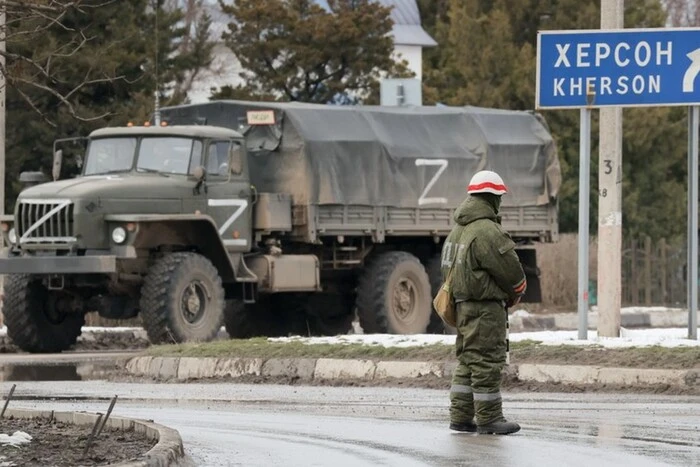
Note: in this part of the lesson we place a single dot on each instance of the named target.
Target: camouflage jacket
(487, 266)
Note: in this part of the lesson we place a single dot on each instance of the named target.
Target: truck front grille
(45, 221)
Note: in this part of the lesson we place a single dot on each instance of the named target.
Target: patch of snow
(651, 309)
(98, 329)
(665, 337)
(521, 314)
(17, 438)
(384, 340)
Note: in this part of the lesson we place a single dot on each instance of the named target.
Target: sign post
(692, 272)
(584, 191)
(626, 68)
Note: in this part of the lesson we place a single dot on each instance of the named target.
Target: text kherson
(594, 56)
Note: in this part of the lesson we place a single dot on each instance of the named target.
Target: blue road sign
(624, 67)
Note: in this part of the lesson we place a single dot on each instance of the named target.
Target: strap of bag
(449, 273)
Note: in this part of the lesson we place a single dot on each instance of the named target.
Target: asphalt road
(232, 424)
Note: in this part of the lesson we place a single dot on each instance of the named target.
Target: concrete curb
(182, 369)
(169, 450)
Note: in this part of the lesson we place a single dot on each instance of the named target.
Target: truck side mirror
(30, 179)
(57, 163)
(235, 159)
(199, 173)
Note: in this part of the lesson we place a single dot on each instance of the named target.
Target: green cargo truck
(268, 218)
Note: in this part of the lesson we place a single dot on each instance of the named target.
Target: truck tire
(271, 316)
(182, 299)
(432, 266)
(30, 321)
(393, 295)
(330, 314)
(244, 321)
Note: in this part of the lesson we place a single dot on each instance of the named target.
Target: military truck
(269, 218)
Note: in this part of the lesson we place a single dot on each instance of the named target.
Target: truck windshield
(174, 155)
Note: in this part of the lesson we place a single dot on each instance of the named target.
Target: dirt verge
(62, 445)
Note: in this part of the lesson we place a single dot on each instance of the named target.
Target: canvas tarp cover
(388, 156)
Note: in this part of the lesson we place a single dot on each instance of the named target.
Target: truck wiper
(147, 170)
(108, 172)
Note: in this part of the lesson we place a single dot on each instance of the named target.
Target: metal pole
(583, 220)
(3, 83)
(610, 198)
(692, 273)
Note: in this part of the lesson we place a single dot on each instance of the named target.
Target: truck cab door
(229, 193)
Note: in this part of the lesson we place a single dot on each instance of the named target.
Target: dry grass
(558, 263)
(520, 352)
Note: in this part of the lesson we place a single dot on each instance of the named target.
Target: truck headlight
(12, 235)
(119, 235)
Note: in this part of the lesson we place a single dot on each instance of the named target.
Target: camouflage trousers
(481, 355)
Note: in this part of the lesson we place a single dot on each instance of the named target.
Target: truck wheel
(245, 321)
(271, 316)
(330, 314)
(393, 295)
(182, 299)
(32, 321)
(432, 266)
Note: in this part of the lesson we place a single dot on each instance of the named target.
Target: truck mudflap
(103, 264)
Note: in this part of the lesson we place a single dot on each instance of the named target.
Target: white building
(409, 40)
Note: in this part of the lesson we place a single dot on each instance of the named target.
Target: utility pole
(610, 198)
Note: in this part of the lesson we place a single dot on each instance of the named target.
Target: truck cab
(150, 203)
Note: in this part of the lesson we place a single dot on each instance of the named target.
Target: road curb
(169, 450)
(171, 368)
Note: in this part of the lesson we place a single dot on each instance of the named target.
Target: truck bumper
(102, 264)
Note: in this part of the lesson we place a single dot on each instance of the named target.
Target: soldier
(487, 277)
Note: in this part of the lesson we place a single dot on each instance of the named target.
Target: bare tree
(27, 21)
(683, 13)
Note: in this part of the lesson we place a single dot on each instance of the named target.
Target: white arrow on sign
(692, 72)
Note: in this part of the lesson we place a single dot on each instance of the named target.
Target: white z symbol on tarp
(442, 166)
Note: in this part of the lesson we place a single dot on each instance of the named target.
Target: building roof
(407, 28)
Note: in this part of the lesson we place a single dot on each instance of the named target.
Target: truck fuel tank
(286, 273)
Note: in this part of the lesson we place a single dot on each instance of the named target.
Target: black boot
(469, 427)
(498, 427)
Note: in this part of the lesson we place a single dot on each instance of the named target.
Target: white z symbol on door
(442, 166)
(241, 205)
